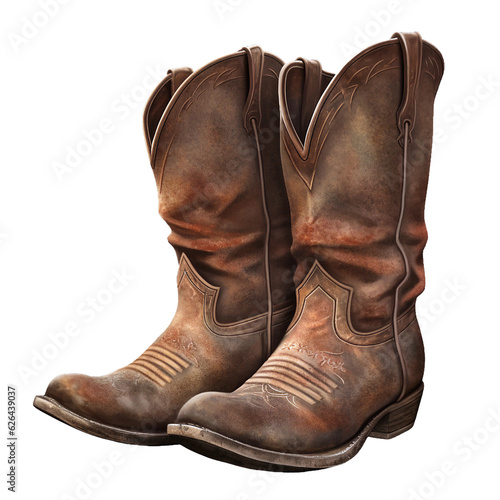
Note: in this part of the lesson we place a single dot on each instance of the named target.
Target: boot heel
(400, 417)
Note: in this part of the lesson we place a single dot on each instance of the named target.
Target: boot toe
(75, 392)
(122, 399)
(249, 422)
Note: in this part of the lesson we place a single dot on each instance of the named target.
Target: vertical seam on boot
(405, 259)
(266, 245)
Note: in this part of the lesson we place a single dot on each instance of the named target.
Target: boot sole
(388, 423)
(54, 409)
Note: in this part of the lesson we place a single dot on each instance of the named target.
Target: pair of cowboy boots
(296, 204)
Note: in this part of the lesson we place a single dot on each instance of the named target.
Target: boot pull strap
(411, 45)
(159, 100)
(252, 111)
(312, 90)
(178, 77)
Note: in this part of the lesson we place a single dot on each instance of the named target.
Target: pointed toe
(75, 392)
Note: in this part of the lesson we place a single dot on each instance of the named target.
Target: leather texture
(213, 140)
(356, 172)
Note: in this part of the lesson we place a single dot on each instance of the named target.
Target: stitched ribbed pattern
(159, 364)
(295, 376)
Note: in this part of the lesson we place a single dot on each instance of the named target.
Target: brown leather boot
(213, 138)
(351, 363)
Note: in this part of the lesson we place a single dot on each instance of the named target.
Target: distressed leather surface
(206, 166)
(353, 347)
(204, 155)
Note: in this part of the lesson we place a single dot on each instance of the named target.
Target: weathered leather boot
(213, 138)
(351, 363)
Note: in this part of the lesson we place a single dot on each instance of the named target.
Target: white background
(61, 240)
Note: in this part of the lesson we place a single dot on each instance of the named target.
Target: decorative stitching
(249, 326)
(268, 392)
(160, 364)
(273, 73)
(306, 165)
(294, 377)
(341, 297)
(197, 92)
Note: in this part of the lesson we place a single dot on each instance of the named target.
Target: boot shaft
(216, 159)
(354, 208)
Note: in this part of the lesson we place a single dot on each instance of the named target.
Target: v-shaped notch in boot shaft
(305, 83)
(305, 138)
